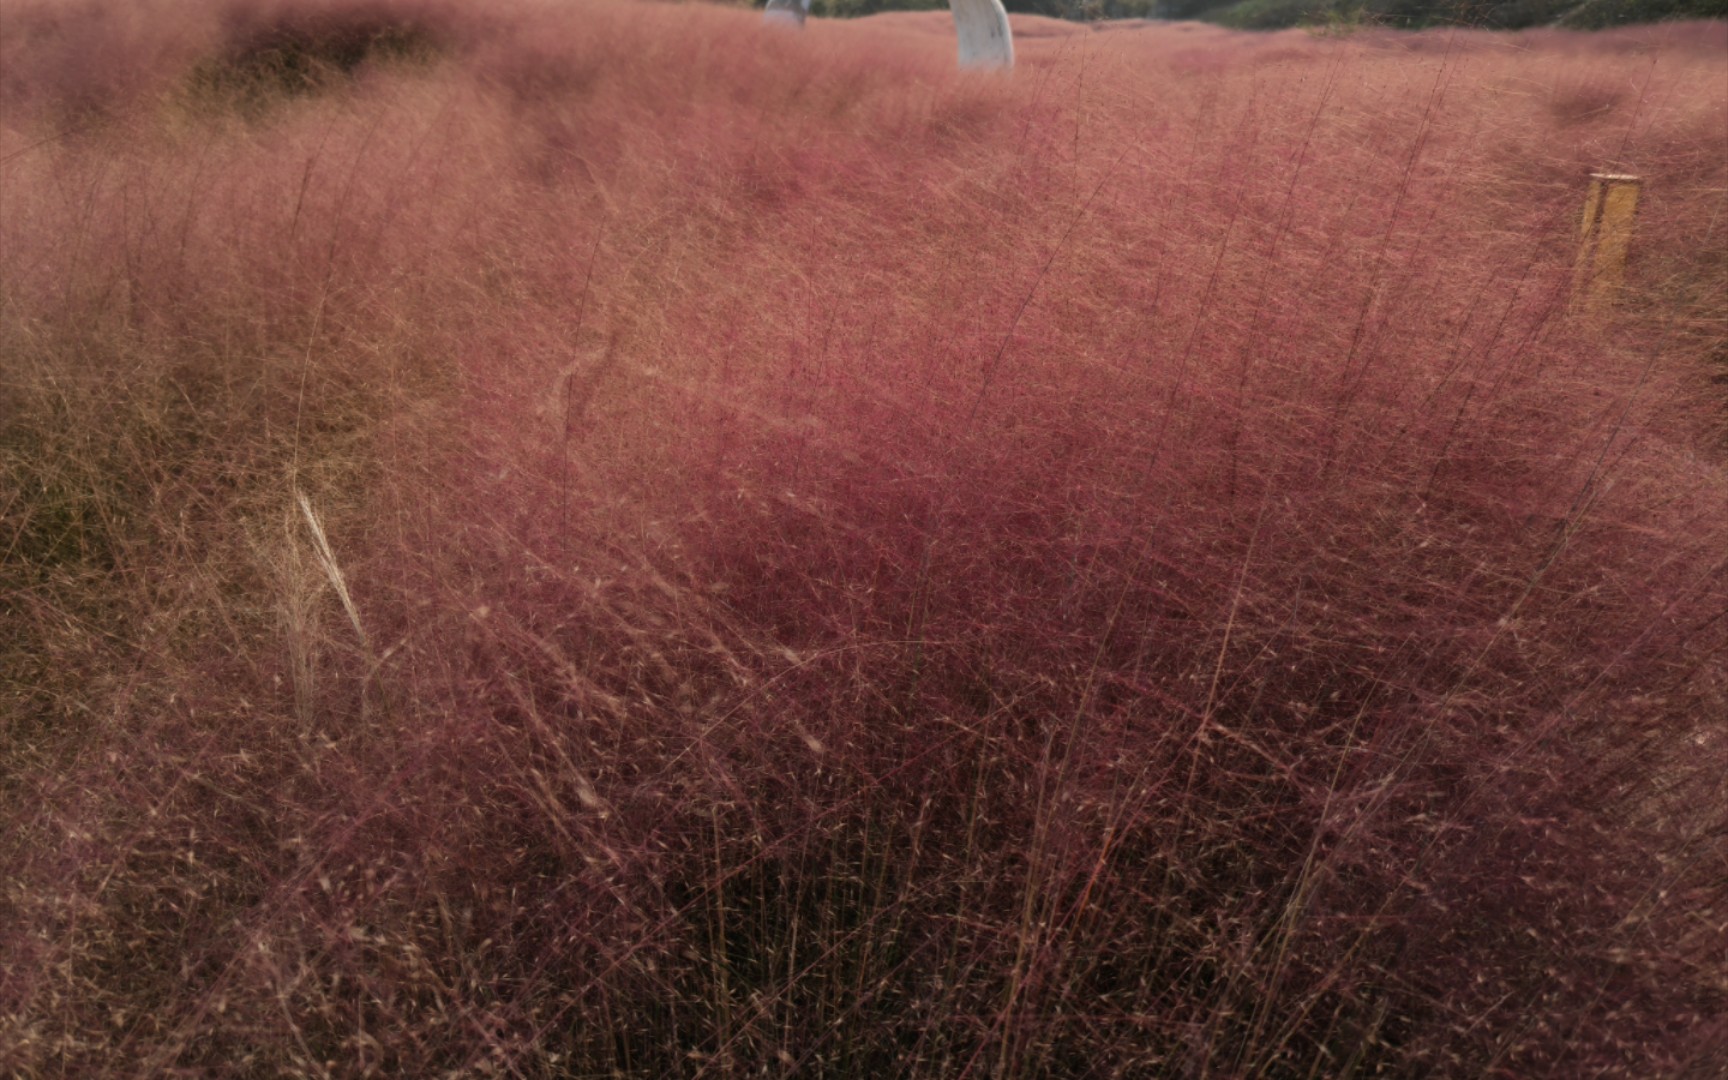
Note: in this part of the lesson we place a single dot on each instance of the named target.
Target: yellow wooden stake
(1604, 237)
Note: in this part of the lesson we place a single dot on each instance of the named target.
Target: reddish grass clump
(636, 544)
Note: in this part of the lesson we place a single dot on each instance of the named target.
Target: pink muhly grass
(631, 544)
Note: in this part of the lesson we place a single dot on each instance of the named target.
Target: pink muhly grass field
(605, 539)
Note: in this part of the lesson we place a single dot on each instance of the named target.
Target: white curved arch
(789, 12)
(982, 27)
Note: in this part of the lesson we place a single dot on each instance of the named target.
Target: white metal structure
(985, 40)
(981, 26)
(786, 11)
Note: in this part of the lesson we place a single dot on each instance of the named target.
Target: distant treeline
(1275, 14)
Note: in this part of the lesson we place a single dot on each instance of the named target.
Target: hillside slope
(1280, 14)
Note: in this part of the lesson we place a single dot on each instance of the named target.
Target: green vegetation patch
(1601, 14)
(308, 54)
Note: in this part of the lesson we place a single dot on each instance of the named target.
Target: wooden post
(1604, 237)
